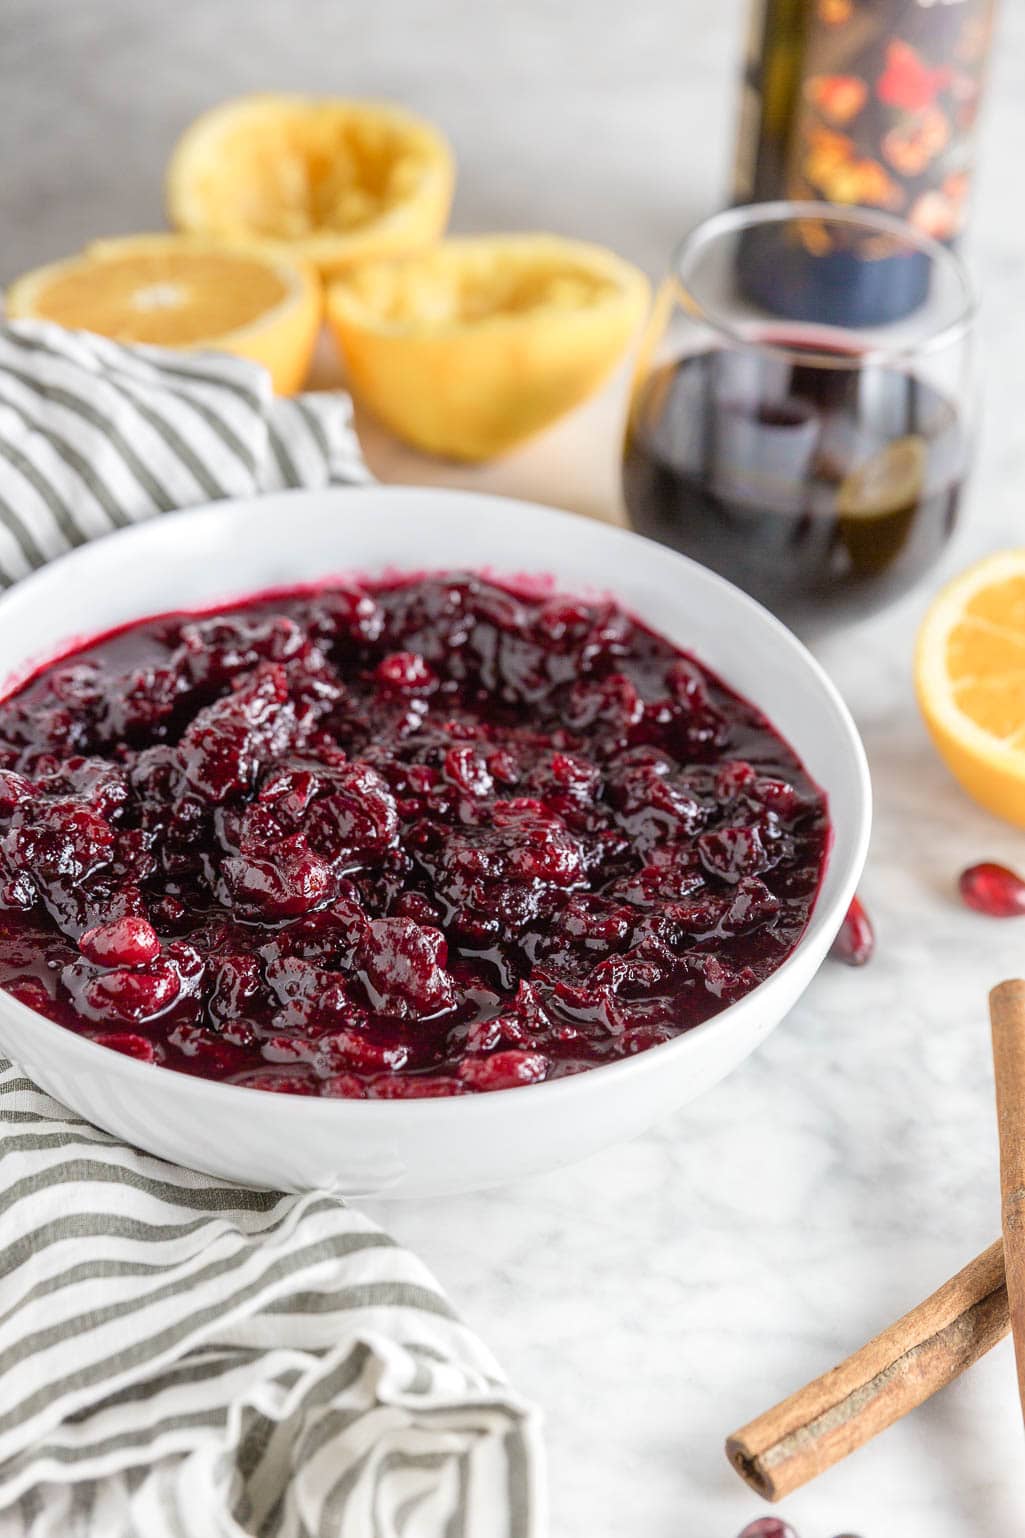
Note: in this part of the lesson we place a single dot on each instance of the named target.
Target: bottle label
(867, 102)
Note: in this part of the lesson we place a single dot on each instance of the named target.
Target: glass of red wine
(800, 418)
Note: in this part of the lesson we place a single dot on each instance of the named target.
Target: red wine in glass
(823, 482)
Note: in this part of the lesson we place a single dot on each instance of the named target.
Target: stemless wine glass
(800, 419)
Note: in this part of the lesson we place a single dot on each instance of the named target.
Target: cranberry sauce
(414, 838)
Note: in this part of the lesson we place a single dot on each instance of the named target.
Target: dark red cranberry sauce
(410, 838)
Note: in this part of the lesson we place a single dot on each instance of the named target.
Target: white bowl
(410, 1147)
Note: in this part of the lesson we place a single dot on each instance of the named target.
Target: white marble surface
(658, 1295)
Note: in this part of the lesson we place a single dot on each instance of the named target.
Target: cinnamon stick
(1007, 1018)
(896, 1371)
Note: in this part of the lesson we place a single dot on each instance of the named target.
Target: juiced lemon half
(970, 679)
(340, 181)
(172, 291)
(470, 348)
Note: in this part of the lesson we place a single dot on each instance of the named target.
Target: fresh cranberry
(992, 889)
(768, 1527)
(855, 943)
(124, 942)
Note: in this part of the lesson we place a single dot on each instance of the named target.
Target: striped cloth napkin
(178, 1357)
(95, 436)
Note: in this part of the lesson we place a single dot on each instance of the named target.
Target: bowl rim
(601, 1075)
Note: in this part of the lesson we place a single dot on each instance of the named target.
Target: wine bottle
(860, 102)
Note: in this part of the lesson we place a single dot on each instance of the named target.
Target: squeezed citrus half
(970, 680)
(339, 181)
(468, 349)
(172, 291)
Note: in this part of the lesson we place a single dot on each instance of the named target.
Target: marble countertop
(658, 1295)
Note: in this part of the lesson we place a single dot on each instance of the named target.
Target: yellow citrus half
(970, 679)
(339, 181)
(468, 349)
(173, 291)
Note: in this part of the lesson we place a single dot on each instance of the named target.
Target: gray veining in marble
(661, 1293)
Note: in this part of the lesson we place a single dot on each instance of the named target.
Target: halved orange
(471, 347)
(970, 681)
(173, 291)
(339, 181)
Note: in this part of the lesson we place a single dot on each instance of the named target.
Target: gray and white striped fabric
(95, 435)
(183, 1359)
(180, 1358)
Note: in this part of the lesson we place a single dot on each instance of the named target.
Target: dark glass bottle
(866, 102)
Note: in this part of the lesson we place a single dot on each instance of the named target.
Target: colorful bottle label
(868, 102)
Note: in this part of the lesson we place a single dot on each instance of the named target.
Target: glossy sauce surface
(424, 837)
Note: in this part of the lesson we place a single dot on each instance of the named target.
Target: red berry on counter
(856, 941)
(992, 889)
(768, 1527)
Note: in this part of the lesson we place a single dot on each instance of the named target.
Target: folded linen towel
(94, 436)
(180, 1358)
